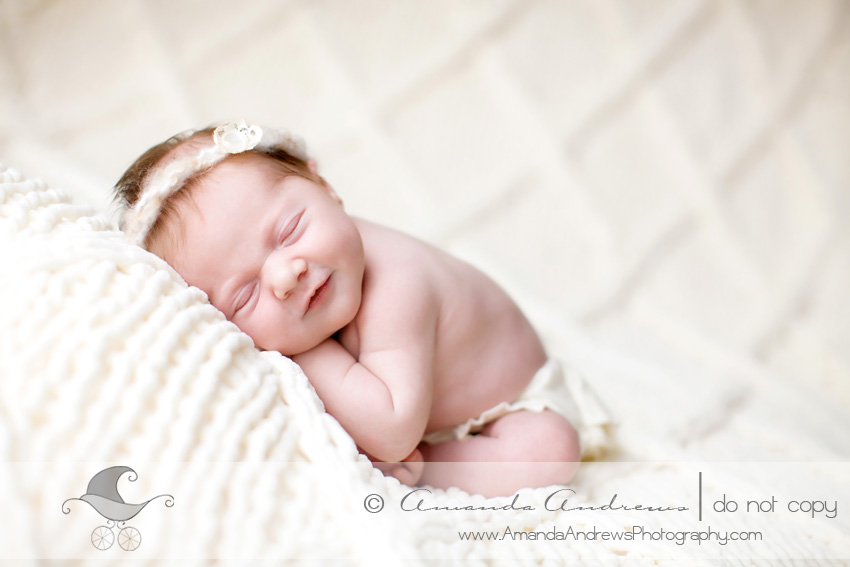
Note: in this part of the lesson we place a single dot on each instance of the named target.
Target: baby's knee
(562, 438)
(544, 437)
(557, 441)
(551, 443)
(558, 448)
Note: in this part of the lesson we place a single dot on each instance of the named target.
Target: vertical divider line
(700, 496)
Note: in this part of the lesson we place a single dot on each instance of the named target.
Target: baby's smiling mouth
(319, 294)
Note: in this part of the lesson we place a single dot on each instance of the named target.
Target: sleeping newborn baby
(427, 364)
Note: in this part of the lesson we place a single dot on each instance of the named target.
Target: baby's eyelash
(289, 229)
(244, 297)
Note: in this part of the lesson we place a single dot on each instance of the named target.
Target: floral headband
(228, 139)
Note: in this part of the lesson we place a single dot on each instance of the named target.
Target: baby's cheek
(259, 334)
(270, 332)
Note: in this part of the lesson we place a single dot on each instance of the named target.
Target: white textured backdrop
(677, 171)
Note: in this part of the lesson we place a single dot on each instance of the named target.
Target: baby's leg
(518, 450)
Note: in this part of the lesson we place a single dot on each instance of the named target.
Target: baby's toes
(408, 471)
(415, 465)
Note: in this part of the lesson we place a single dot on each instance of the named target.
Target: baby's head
(242, 213)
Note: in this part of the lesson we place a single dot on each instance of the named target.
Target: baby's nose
(284, 274)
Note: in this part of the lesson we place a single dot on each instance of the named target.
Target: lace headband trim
(228, 139)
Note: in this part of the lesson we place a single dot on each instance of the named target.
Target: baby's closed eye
(290, 232)
(244, 297)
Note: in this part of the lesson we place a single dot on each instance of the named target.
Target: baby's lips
(315, 291)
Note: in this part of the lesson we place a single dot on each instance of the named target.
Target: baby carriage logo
(102, 495)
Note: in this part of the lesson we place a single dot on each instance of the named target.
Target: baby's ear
(314, 169)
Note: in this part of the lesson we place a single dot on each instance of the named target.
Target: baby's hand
(408, 471)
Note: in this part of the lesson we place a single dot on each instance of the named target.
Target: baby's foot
(408, 471)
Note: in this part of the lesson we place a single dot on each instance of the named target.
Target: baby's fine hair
(134, 182)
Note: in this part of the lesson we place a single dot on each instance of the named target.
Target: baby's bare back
(485, 351)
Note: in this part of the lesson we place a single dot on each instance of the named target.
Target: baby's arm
(383, 399)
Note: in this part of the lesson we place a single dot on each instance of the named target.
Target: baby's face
(277, 255)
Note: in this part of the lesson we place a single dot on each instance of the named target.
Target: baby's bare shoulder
(383, 243)
(395, 256)
(400, 287)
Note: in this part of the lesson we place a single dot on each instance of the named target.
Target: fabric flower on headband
(237, 137)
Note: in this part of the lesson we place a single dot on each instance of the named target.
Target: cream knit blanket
(108, 358)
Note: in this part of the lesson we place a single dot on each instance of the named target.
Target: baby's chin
(293, 346)
(290, 350)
